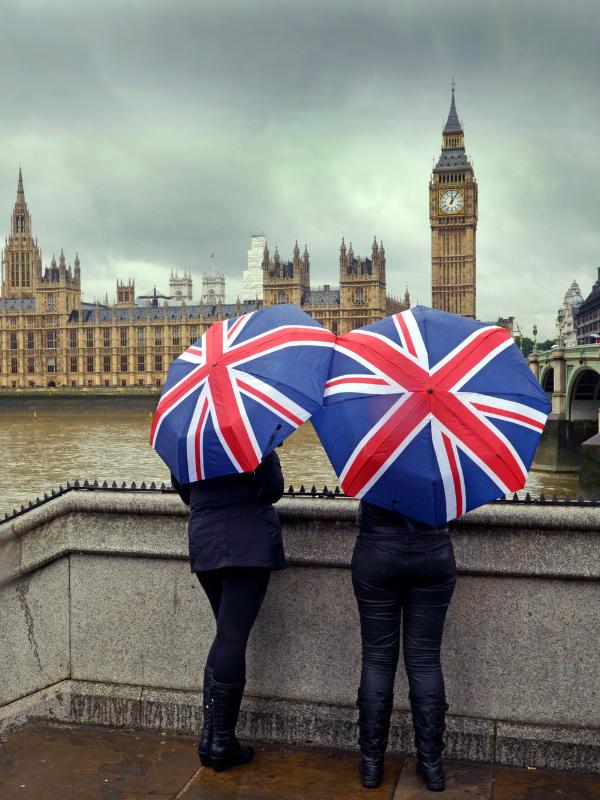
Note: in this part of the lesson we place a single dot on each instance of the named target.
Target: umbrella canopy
(239, 391)
(430, 414)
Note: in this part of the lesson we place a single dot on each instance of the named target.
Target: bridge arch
(547, 381)
(583, 400)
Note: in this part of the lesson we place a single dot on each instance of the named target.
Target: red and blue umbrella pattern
(239, 391)
(430, 414)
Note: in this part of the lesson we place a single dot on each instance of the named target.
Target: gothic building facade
(453, 219)
(359, 299)
(50, 337)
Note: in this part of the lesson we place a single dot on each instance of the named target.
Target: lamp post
(535, 346)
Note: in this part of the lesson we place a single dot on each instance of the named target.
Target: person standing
(403, 574)
(234, 544)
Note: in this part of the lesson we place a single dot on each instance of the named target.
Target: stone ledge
(552, 542)
(554, 747)
(298, 723)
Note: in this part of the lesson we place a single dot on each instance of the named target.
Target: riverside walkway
(73, 762)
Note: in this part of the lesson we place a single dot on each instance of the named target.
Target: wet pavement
(71, 762)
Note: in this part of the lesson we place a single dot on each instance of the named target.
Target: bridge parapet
(106, 625)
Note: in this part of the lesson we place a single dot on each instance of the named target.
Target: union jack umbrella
(239, 391)
(430, 414)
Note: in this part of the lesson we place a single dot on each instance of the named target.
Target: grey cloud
(154, 133)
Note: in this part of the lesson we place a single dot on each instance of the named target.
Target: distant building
(566, 321)
(588, 316)
(50, 337)
(213, 288)
(180, 288)
(252, 278)
(506, 322)
(359, 299)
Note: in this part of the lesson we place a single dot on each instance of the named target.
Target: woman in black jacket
(401, 567)
(235, 543)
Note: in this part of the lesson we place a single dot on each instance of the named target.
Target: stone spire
(453, 123)
(20, 190)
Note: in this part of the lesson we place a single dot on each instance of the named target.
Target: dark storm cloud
(154, 133)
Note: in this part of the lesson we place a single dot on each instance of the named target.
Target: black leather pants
(410, 575)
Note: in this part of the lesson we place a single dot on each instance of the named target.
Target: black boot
(207, 724)
(225, 750)
(374, 716)
(429, 723)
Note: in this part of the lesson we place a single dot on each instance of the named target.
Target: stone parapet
(98, 600)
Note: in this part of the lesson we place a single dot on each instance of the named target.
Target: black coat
(232, 519)
(376, 521)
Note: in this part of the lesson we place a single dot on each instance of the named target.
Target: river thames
(47, 441)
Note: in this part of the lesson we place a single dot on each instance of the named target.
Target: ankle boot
(373, 727)
(429, 723)
(225, 750)
(207, 724)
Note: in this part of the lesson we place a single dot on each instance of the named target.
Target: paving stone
(293, 775)
(518, 784)
(464, 781)
(46, 762)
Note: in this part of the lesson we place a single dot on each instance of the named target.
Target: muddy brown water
(47, 441)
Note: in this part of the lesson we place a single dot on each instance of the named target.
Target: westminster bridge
(570, 376)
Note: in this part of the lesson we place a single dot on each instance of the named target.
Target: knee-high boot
(429, 722)
(207, 723)
(225, 750)
(375, 711)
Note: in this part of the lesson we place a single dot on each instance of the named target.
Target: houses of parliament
(50, 337)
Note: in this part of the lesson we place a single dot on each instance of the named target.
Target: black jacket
(375, 521)
(232, 519)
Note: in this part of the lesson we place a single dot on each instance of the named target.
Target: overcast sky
(154, 133)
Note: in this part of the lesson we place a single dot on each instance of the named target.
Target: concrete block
(142, 621)
(469, 738)
(34, 628)
(518, 649)
(551, 747)
(120, 534)
(10, 554)
(306, 642)
(105, 704)
(291, 722)
(172, 711)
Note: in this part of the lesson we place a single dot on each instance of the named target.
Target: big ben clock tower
(453, 218)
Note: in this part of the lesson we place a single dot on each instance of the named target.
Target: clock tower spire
(453, 218)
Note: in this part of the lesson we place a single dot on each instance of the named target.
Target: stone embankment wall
(102, 622)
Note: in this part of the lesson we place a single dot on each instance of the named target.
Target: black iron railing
(324, 493)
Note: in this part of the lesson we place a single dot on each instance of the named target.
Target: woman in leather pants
(403, 574)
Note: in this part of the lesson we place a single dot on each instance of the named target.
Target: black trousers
(403, 580)
(235, 595)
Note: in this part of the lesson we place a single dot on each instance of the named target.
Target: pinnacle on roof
(453, 123)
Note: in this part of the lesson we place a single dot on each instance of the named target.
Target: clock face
(452, 201)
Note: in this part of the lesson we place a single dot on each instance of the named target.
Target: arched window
(281, 297)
